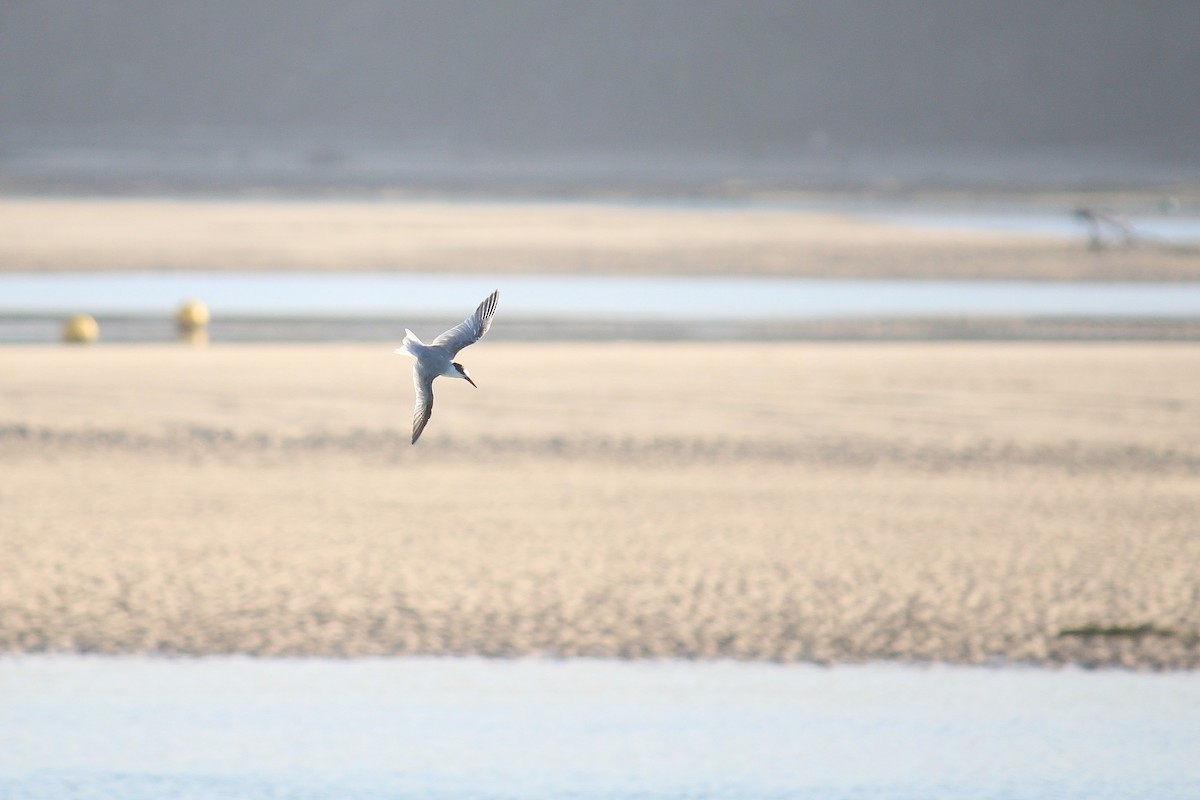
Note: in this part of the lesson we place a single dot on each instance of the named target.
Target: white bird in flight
(437, 358)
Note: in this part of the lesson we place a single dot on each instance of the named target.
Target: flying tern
(437, 358)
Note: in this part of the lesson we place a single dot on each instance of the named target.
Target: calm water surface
(575, 297)
(90, 727)
(1168, 230)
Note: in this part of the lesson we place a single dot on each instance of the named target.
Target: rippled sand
(828, 503)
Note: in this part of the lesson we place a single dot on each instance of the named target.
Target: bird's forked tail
(405, 349)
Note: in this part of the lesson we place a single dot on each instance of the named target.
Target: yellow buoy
(193, 315)
(81, 329)
(198, 336)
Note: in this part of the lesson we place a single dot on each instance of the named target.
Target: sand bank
(584, 238)
(960, 503)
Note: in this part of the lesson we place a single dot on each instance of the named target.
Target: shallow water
(575, 297)
(1182, 230)
(90, 727)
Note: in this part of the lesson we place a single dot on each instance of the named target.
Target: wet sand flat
(827, 503)
(51, 233)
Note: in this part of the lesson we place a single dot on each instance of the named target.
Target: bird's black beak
(463, 372)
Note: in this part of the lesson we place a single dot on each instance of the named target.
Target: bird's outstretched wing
(470, 330)
(423, 383)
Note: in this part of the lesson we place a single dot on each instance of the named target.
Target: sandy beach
(818, 502)
(833, 503)
(72, 234)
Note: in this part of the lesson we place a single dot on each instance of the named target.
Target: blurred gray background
(556, 93)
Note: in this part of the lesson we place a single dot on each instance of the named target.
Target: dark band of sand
(827, 503)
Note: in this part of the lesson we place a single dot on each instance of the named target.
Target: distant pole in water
(1098, 222)
(81, 329)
